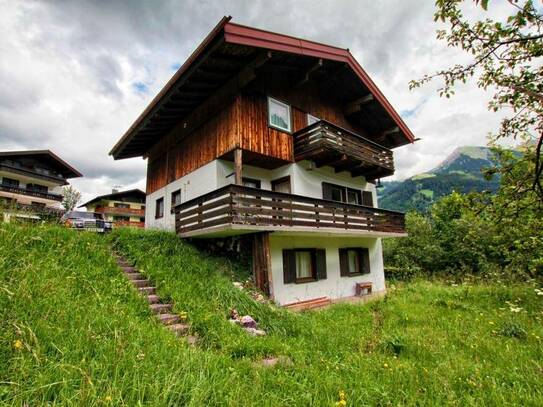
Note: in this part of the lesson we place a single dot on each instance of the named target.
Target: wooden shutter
(320, 264)
(367, 198)
(289, 266)
(326, 191)
(343, 263)
(365, 254)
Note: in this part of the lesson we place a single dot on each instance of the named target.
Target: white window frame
(289, 113)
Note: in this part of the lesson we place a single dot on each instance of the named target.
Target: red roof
(231, 33)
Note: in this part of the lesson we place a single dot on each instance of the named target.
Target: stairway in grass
(163, 311)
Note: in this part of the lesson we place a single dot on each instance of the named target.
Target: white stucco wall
(334, 286)
(198, 182)
(219, 173)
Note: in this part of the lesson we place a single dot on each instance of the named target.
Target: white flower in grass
(515, 309)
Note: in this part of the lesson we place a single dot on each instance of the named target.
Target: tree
(507, 57)
(71, 197)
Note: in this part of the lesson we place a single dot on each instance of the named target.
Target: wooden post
(238, 166)
(262, 261)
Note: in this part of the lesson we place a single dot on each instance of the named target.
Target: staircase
(163, 311)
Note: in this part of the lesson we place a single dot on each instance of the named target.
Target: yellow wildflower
(385, 365)
(107, 398)
(17, 344)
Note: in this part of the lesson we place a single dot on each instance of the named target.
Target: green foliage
(478, 233)
(70, 197)
(73, 331)
(512, 329)
(506, 53)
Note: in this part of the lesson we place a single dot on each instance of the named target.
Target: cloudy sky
(75, 74)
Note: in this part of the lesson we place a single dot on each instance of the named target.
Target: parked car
(91, 221)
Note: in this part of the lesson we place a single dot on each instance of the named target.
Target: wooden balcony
(31, 192)
(120, 211)
(327, 144)
(237, 209)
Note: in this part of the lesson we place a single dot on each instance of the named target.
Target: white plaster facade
(305, 181)
(219, 173)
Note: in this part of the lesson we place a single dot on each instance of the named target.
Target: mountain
(460, 171)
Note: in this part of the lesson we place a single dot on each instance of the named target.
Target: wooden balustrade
(30, 192)
(258, 209)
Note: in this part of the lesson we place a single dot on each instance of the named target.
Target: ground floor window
(354, 261)
(120, 218)
(304, 265)
(159, 208)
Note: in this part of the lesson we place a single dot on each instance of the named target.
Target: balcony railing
(328, 144)
(125, 223)
(120, 211)
(30, 192)
(239, 207)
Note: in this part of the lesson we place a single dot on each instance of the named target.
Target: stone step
(179, 329)
(160, 308)
(153, 299)
(191, 339)
(129, 269)
(141, 283)
(135, 276)
(169, 319)
(147, 290)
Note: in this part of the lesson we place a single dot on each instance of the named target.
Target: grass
(74, 332)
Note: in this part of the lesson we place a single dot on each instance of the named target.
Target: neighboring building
(31, 182)
(282, 138)
(125, 208)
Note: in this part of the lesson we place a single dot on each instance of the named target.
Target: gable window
(354, 261)
(9, 182)
(312, 119)
(303, 265)
(339, 193)
(176, 198)
(159, 208)
(121, 205)
(279, 115)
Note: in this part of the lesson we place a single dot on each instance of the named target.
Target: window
(176, 198)
(279, 115)
(312, 119)
(120, 218)
(252, 183)
(159, 208)
(37, 188)
(367, 198)
(37, 204)
(121, 205)
(354, 261)
(10, 182)
(304, 265)
(338, 193)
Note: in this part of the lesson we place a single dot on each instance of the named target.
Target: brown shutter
(365, 254)
(367, 198)
(320, 264)
(343, 263)
(326, 191)
(289, 266)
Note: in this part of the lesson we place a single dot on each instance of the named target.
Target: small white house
(282, 140)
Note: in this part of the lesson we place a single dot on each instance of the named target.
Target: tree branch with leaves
(507, 57)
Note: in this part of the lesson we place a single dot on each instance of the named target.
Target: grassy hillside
(74, 332)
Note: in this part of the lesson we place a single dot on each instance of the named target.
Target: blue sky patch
(140, 87)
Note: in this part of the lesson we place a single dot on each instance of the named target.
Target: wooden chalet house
(282, 138)
(123, 208)
(31, 183)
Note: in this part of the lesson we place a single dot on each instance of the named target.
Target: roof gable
(47, 157)
(228, 49)
(131, 195)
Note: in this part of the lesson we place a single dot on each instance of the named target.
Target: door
(281, 185)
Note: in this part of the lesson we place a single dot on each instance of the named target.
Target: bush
(512, 329)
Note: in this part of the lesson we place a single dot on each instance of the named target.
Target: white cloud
(75, 74)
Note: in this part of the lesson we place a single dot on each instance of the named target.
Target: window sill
(305, 280)
(271, 126)
(159, 217)
(356, 274)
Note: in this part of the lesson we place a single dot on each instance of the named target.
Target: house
(280, 139)
(31, 183)
(123, 208)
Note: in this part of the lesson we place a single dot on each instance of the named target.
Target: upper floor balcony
(237, 209)
(328, 144)
(114, 210)
(30, 192)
